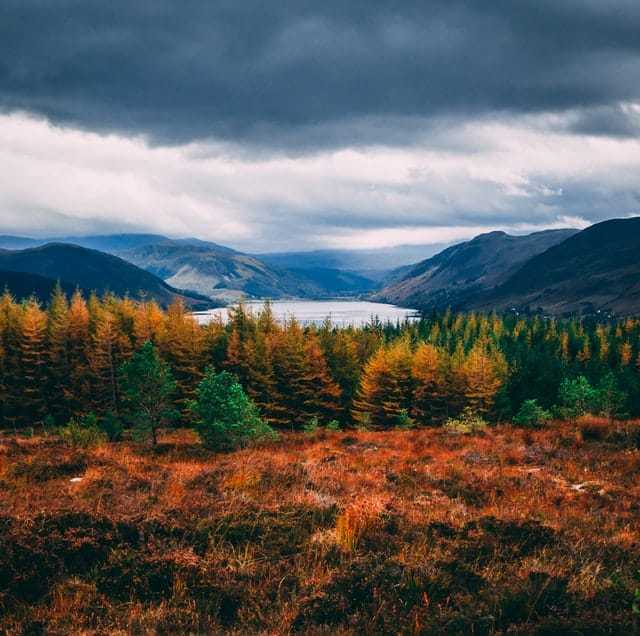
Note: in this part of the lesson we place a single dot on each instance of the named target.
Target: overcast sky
(295, 124)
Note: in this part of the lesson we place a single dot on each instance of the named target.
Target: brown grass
(419, 531)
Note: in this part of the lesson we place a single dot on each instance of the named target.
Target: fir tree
(147, 389)
(429, 376)
(33, 361)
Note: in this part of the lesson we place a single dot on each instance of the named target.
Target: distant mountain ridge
(452, 277)
(224, 274)
(554, 271)
(92, 270)
(373, 264)
(221, 274)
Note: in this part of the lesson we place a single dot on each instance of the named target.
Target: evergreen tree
(147, 389)
(225, 416)
(11, 373)
(58, 353)
(183, 345)
(320, 394)
(483, 373)
(106, 357)
(429, 377)
(33, 361)
(386, 386)
(576, 397)
(78, 389)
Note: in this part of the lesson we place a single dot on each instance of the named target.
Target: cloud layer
(513, 174)
(303, 124)
(273, 73)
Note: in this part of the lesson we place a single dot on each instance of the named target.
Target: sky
(293, 125)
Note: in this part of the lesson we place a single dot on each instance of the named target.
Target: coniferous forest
(65, 360)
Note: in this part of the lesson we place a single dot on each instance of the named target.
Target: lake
(343, 313)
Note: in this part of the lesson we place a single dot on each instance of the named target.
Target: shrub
(531, 415)
(364, 422)
(467, 423)
(333, 425)
(312, 426)
(576, 397)
(609, 400)
(83, 432)
(404, 420)
(226, 418)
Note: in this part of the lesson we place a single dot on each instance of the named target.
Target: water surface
(342, 313)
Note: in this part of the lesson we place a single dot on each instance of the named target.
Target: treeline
(64, 361)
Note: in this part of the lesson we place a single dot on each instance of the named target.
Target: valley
(542, 272)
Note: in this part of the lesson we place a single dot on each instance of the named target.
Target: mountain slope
(217, 272)
(22, 285)
(334, 282)
(596, 269)
(91, 270)
(465, 270)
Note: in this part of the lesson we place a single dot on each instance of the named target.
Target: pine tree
(483, 375)
(11, 379)
(260, 379)
(147, 390)
(78, 392)
(429, 377)
(33, 361)
(386, 386)
(341, 354)
(148, 323)
(183, 346)
(58, 354)
(289, 363)
(321, 395)
(626, 352)
(105, 360)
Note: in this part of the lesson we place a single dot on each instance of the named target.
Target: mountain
(327, 282)
(373, 264)
(463, 271)
(109, 243)
(92, 270)
(218, 273)
(18, 242)
(597, 269)
(22, 285)
(226, 274)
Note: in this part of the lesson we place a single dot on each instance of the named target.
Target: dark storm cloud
(304, 74)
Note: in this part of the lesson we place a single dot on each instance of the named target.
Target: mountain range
(597, 269)
(224, 274)
(553, 271)
(462, 271)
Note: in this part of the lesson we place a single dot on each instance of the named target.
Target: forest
(65, 361)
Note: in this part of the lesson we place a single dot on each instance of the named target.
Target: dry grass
(509, 531)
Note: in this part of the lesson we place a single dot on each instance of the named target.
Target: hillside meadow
(506, 531)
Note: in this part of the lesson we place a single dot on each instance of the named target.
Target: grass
(420, 531)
